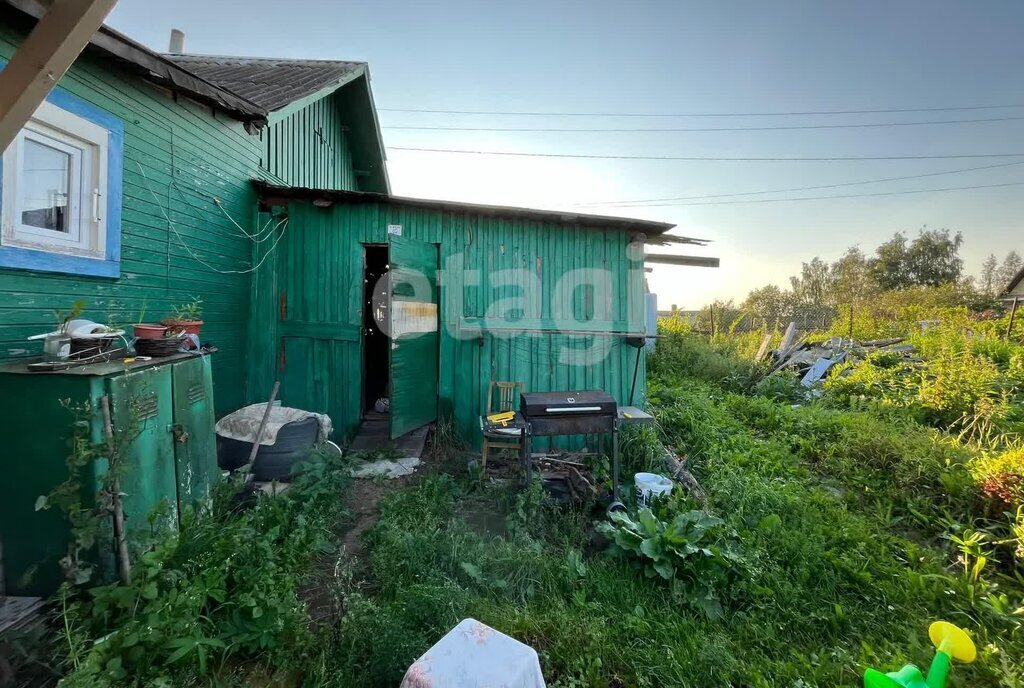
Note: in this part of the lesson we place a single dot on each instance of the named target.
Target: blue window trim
(45, 261)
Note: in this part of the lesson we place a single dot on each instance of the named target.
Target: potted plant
(145, 330)
(186, 318)
(57, 345)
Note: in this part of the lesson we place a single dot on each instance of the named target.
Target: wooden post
(711, 308)
(43, 57)
(124, 571)
(1013, 315)
(263, 425)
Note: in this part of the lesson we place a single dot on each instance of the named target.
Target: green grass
(853, 525)
(844, 519)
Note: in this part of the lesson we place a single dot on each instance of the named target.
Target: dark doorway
(376, 369)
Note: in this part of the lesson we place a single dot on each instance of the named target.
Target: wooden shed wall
(315, 280)
(310, 148)
(188, 154)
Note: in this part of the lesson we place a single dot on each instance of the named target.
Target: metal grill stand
(548, 414)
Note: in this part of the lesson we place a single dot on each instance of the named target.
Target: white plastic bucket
(650, 485)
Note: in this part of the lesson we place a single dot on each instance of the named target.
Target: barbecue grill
(547, 414)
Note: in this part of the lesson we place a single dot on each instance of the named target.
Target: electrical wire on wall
(257, 238)
(283, 224)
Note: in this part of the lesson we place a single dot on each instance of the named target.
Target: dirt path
(363, 502)
(344, 569)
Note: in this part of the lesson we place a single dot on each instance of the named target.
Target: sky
(671, 58)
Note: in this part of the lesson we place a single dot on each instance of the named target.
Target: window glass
(45, 188)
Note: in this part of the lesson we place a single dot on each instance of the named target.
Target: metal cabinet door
(195, 444)
(141, 405)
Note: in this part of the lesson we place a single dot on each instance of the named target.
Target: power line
(701, 114)
(710, 129)
(819, 198)
(586, 156)
(637, 202)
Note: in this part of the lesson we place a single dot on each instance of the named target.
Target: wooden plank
(43, 57)
(762, 350)
(1013, 315)
(686, 261)
(18, 612)
(787, 338)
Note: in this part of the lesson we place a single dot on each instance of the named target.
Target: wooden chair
(500, 438)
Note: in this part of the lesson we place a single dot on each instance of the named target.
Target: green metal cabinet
(193, 431)
(171, 461)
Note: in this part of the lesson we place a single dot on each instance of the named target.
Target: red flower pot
(147, 331)
(191, 326)
(177, 327)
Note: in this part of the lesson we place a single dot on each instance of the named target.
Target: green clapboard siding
(310, 148)
(186, 154)
(307, 311)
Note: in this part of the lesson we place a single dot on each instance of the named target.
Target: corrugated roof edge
(161, 70)
(1018, 278)
(271, 193)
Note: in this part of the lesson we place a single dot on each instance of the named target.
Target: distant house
(1015, 289)
(260, 186)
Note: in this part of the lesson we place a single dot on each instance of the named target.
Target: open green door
(413, 314)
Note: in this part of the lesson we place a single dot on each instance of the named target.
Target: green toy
(949, 641)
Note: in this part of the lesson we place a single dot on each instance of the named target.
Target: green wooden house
(176, 212)
(260, 186)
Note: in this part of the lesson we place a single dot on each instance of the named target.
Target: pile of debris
(813, 360)
(568, 480)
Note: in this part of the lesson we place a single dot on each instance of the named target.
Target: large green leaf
(665, 569)
(649, 522)
(628, 540)
(651, 547)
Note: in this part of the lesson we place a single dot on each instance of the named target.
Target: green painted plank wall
(315, 279)
(184, 154)
(310, 148)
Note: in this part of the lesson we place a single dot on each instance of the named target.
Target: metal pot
(56, 347)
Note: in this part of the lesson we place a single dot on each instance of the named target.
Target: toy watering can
(950, 643)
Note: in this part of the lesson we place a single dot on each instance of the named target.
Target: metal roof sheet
(654, 230)
(271, 83)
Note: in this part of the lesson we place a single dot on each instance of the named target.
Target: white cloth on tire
(243, 424)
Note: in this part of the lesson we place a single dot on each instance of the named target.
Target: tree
(769, 304)
(813, 284)
(1012, 264)
(890, 266)
(930, 260)
(989, 281)
(851, 280)
(935, 258)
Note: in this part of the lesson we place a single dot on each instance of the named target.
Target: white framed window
(55, 185)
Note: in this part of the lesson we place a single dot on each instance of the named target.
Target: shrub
(223, 589)
(690, 550)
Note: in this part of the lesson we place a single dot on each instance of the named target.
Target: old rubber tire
(275, 461)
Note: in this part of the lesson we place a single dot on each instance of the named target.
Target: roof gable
(282, 86)
(1014, 283)
(271, 83)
